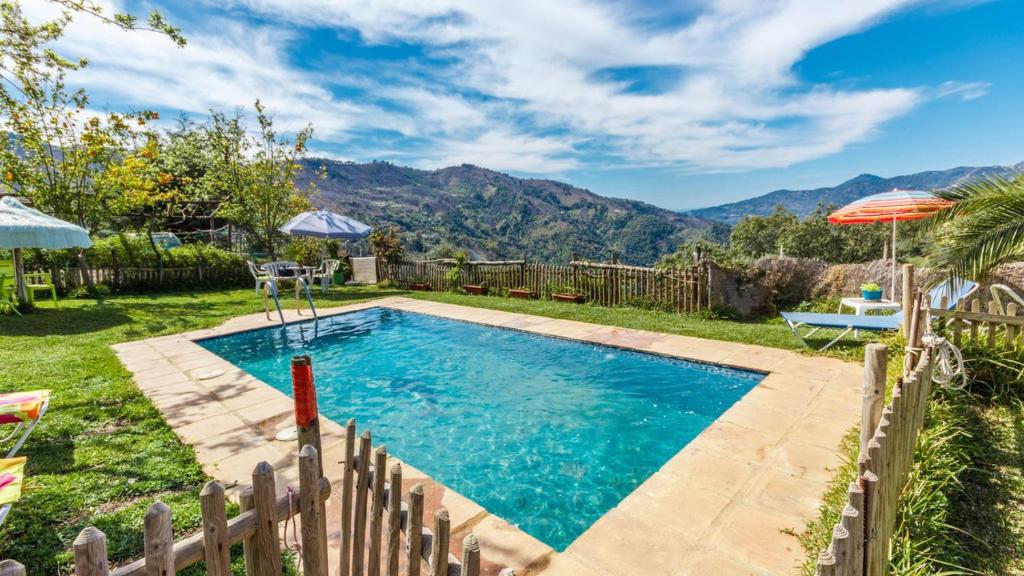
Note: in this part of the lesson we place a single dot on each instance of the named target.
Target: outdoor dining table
(304, 271)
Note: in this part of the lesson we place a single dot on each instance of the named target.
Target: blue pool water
(547, 433)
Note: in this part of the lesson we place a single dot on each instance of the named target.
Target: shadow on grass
(63, 321)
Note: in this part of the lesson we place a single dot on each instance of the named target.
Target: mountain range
(803, 202)
(494, 215)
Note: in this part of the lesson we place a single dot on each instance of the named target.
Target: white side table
(861, 307)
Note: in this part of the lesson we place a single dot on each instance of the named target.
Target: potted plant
(523, 293)
(476, 289)
(871, 292)
(566, 294)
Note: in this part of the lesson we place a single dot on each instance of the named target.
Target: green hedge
(134, 251)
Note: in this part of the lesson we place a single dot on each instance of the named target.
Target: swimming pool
(547, 433)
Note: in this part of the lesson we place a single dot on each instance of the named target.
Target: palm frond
(982, 229)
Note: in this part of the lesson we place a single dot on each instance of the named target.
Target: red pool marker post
(307, 420)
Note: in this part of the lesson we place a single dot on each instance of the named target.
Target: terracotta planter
(475, 289)
(422, 286)
(524, 294)
(567, 297)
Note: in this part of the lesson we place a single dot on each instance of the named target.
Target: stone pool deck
(723, 505)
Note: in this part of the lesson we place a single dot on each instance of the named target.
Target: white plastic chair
(996, 289)
(258, 274)
(325, 273)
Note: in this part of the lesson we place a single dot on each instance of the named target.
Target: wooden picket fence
(368, 498)
(256, 528)
(861, 538)
(968, 322)
(118, 278)
(607, 284)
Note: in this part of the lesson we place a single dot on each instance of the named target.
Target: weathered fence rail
(150, 278)
(256, 528)
(607, 284)
(969, 322)
(861, 538)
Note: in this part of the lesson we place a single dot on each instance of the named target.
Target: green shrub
(98, 291)
(134, 251)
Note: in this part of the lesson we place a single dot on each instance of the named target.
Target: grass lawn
(103, 454)
(764, 332)
(963, 511)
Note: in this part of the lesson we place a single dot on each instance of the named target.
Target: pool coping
(727, 503)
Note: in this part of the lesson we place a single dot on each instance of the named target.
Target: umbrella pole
(19, 278)
(892, 287)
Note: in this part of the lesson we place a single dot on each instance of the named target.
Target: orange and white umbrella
(895, 206)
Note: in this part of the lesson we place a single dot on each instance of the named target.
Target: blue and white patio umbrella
(24, 227)
(325, 224)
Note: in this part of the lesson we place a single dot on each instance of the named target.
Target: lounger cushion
(22, 406)
(12, 472)
(855, 321)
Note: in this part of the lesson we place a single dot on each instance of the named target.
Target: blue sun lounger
(850, 322)
(845, 322)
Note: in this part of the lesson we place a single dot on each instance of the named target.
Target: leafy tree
(443, 249)
(984, 228)
(688, 253)
(815, 237)
(756, 236)
(57, 151)
(267, 195)
(137, 184)
(60, 155)
(386, 245)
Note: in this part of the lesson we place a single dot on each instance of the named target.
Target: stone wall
(772, 284)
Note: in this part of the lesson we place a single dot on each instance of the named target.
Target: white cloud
(510, 151)
(964, 90)
(525, 70)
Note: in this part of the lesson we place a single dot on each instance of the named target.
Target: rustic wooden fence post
(215, 530)
(908, 297)
(853, 521)
(414, 535)
(11, 568)
(440, 544)
(869, 485)
(873, 392)
(90, 553)
(470, 556)
(245, 504)
(314, 540)
(307, 420)
(362, 489)
(913, 335)
(993, 309)
(394, 518)
(158, 540)
(348, 469)
(1011, 329)
(826, 563)
(380, 459)
(266, 543)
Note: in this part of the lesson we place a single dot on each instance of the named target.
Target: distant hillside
(500, 216)
(803, 202)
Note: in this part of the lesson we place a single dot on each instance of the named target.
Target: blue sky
(681, 104)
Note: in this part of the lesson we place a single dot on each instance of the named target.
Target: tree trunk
(83, 270)
(156, 251)
(19, 279)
